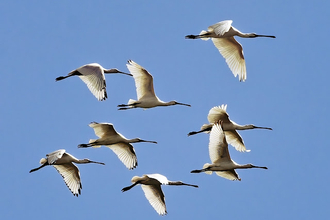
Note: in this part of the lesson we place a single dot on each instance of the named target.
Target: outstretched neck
(253, 35)
(248, 166)
(247, 127)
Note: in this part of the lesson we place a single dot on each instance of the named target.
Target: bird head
(177, 103)
(90, 161)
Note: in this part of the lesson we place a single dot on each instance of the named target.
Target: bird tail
(202, 33)
(92, 141)
(206, 127)
(131, 101)
(205, 166)
(43, 160)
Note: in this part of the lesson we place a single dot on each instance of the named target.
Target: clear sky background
(287, 88)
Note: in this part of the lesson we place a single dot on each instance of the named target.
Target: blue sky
(286, 88)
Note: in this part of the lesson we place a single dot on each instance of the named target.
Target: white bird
(93, 75)
(218, 113)
(151, 185)
(222, 164)
(120, 145)
(144, 89)
(63, 163)
(222, 35)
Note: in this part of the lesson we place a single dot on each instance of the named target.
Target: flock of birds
(222, 130)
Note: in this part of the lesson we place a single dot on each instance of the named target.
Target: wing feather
(143, 80)
(232, 51)
(233, 138)
(125, 153)
(221, 27)
(71, 177)
(229, 174)
(218, 147)
(156, 198)
(218, 113)
(54, 156)
(93, 77)
(103, 129)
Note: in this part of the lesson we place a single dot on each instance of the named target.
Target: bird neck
(246, 35)
(245, 166)
(82, 161)
(243, 127)
(110, 71)
(134, 140)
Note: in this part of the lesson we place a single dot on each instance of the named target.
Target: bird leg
(129, 187)
(73, 73)
(196, 132)
(84, 145)
(45, 164)
(128, 106)
(197, 171)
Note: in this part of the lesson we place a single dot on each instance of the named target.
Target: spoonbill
(151, 185)
(93, 75)
(222, 164)
(63, 163)
(120, 145)
(222, 35)
(219, 113)
(144, 89)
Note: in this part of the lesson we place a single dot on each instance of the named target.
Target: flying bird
(144, 89)
(120, 145)
(93, 75)
(151, 185)
(222, 35)
(219, 113)
(63, 163)
(222, 164)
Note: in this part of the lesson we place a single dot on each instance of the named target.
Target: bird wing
(221, 27)
(218, 147)
(229, 174)
(143, 80)
(161, 178)
(71, 176)
(125, 153)
(93, 76)
(156, 198)
(218, 113)
(233, 138)
(54, 156)
(232, 51)
(103, 129)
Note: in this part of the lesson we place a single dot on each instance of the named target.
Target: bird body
(219, 113)
(222, 164)
(93, 76)
(222, 35)
(120, 145)
(145, 90)
(63, 163)
(151, 185)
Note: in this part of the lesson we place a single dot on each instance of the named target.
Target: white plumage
(93, 75)
(120, 145)
(222, 164)
(63, 163)
(219, 113)
(151, 186)
(144, 89)
(222, 35)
